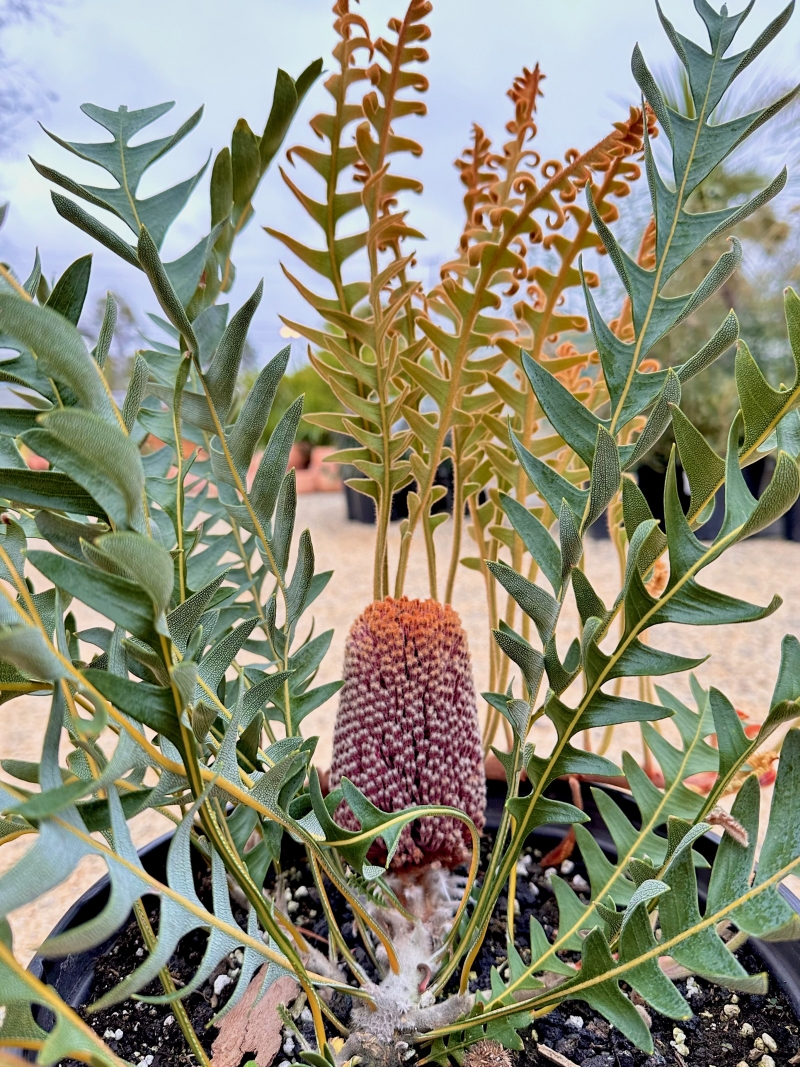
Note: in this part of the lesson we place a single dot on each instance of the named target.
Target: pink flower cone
(406, 730)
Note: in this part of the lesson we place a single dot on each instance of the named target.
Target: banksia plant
(195, 699)
(407, 725)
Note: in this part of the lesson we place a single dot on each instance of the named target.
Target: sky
(225, 55)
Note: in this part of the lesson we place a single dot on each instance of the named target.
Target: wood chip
(566, 846)
(555, 1057)
(254, 1028)
(563, 850)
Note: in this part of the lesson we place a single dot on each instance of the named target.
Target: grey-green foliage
(199, 275)
(160, 517)
(131, 528)
(614, 931)
(177, 615)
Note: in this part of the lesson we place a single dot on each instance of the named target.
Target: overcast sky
(224, 55)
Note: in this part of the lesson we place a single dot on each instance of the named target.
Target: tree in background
(21, 91)
(771, 238)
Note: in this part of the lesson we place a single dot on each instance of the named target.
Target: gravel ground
(743, 659)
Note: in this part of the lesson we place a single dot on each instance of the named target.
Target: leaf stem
(167, 984)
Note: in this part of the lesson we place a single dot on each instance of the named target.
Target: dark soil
(725, 1031)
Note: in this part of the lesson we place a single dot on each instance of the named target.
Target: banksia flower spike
(407, 726)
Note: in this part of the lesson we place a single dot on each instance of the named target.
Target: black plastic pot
(361, 508)
(72, 977)
(756, 475)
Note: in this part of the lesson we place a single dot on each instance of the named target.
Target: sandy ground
(743, 659)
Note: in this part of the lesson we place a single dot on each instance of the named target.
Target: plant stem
(167, 984)
(458, 520)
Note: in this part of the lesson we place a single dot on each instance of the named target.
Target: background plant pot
(72, 977)
(361, 508)
(756, 475)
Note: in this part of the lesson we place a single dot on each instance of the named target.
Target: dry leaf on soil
(253, 1028)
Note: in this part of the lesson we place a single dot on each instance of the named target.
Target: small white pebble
(284, 1063)
(678, 1035)
(312, 913)
(767, 1061)
(140, 952)
(170, 1019)
(238, 956)
(579, 883)
(769, 1042)
(734, 999)
(682, 1050)
(759, 1045)
(692, 988)
(220, 982)
(551, 872)
(746, 1030)
(288, 1046)
(292, 907)
(300, 892)
(517, 908)
(473, 976)
(108, 1035)
(537, 853)
(534, 890)
(288, 894)
(730, 1010)
(567, 867)
(575, 1021)
(522, 870)
(742, 1063)
(306, 1016)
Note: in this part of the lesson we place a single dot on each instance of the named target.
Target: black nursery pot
(72, 977)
